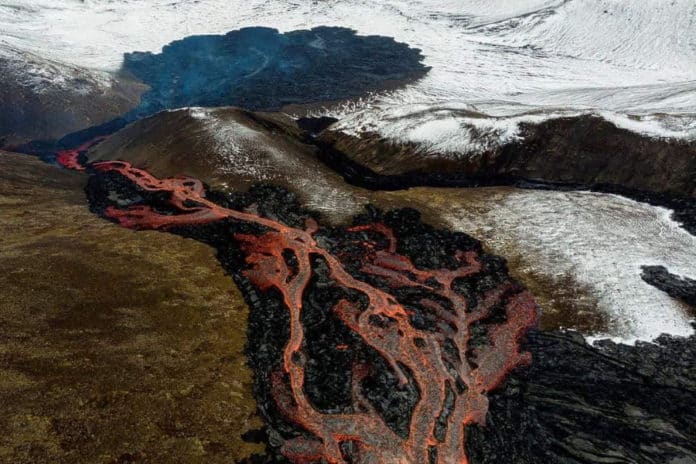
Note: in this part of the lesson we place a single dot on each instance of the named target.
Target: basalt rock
(589, 150)
(584, 150)
(682, 288)
(236, 148)
(578, 404)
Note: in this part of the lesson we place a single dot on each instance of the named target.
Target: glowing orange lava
(69, 158)
(414, 355)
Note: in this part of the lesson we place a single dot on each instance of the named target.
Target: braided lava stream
(452, 384)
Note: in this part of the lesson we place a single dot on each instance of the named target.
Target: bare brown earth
(115, 346)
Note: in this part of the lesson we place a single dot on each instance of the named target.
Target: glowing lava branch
(70, 158)
(414, 355)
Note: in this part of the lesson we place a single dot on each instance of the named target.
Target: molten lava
(452, 384)
(69, 158)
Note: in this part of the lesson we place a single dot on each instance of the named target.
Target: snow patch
(602, 241)
(43, 76)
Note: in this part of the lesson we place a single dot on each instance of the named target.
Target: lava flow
(468, 349)
(69, 158)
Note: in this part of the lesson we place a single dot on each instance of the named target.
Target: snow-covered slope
(45, 99)
(42, 76)
(504, 57)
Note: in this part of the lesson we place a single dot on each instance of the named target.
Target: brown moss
(115, 346)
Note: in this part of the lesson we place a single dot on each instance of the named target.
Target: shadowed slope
(42, 99)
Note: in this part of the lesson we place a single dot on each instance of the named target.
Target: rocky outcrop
(582, 150)
(681, 288)
(592, 151)
(42, 99)
(114, 346)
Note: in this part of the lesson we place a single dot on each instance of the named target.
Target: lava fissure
(436, 360)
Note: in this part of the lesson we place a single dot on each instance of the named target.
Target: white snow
(456, 130)
(563, 54)
(42, 75)
(600, 240)
(453, 129)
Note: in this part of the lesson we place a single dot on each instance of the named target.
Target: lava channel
(452, 384)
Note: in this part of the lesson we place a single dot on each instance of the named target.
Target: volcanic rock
(583, 150)
(682, 288)
(259, 68)
(578, 404)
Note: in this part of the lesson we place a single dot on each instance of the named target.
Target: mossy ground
(115, 346)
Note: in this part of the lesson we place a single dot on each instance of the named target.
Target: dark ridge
(355, 173)
(681, 288)
(584, 149)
